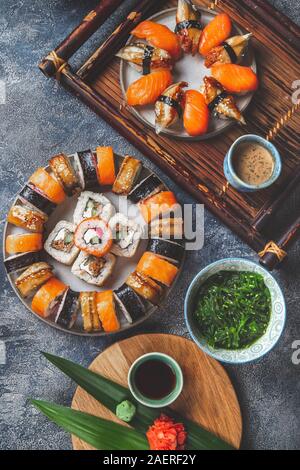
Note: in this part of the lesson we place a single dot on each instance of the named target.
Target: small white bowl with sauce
(252, 164)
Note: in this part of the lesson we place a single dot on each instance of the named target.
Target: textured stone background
(39, 120)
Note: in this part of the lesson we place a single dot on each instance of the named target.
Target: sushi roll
(166, 249)
(126, 234)
(17, 263)
(162, 203)
(48, 298)
(91, 321)
(34, 276)
(169, 229)
(87, 162)
(23, 242)
(27, 218)
(42, 181)
(157, 268)
(65, 174)
(37, 200)
(93, 236)
(76, 165)
(68, 310)
(60, 243)
(93, 205)
(145, 287)
(127, 176)
(107, 311)
(92, 269)
(129, 303)
(106, 168)
(146, 188)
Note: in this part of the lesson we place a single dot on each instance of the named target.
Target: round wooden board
(208, 396)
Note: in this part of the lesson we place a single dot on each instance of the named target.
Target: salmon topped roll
(161, 203)
(160, 36)
(107, 312)
(24, 242)
(48, 298)
(94, 237)
(106, 171)
(157, 268)
(48, 185)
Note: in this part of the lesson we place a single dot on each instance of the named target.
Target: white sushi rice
(81, 268)
(127, 235)
(61, 256)
(105, 208)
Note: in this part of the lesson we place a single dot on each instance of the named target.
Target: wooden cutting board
(208, 396)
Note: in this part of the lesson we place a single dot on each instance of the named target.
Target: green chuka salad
(233, 309)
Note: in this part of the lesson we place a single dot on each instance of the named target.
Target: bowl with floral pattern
(277, 318)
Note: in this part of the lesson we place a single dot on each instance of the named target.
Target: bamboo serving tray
(198, 166)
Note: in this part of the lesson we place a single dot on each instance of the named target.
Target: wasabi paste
(126, 411)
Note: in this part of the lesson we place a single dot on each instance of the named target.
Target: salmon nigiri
(196, 113)
(220, 103)
(160, 36)
(148, 88)
(188, 27)
(230, 52)
(235, 78)
(168, 106)
(217, 31)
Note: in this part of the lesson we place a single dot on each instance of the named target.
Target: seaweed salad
(233, 309)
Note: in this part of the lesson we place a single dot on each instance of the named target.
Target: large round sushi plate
(190, 69)
(68, 266)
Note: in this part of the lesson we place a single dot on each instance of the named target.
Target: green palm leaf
(98, 432)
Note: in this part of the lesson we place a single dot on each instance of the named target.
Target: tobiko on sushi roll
(93, 236)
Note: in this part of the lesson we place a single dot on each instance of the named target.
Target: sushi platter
(196, 162)
(83, 256)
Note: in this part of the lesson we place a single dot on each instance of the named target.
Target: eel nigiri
(230, 52)
(157, 268)
(168, 106)
(148, 88)
(47, 299)
(160, 36)
(48, 185)
(235, 78)
(188, 27)
(106, 171)
(216, 32)
(219, 102)
(24, 242)
(196, 113)
(160, 203)
(106, 310)
(145, 58)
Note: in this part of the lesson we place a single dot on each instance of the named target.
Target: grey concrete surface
(40, 119)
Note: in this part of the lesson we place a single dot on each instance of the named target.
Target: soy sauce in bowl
(155, 379)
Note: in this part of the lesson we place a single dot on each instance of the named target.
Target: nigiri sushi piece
(157, 268)
(106, 310)
(235, 78)
(229, 52)
(196, 113)
(145, 58)
(188, 27)
(159, 204)
(23, 242)
(159, 36)
(216, 32)
(168, 106)
(148, 88)
(48, 298)
(220, 103)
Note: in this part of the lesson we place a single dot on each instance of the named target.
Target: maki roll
(76, 165)
(27, 218)
(130, 304)
(89, 313)
(93, 236)
(87, 162)
(48, 298)
(159, 204)
(157, 268)
(145, 287)
(127, 176)
(65, 174)
(166, 249)
(93, 205)
(34, 276)
(68, 309)
(23, 242)
(106, 169)
(60, 243)
(19, 262)
(146, 188)
(126, 234)
(37, 200)
(169, 229)
(107, 312)
(42, 181)
(92, 269)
